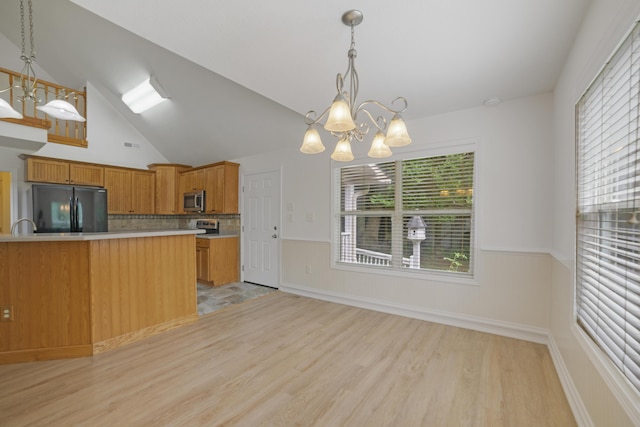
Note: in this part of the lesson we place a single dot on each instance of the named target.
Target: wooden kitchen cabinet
(217, 261)
(130, 191)
(221, 187)
(168, 194)
(202, 260)
(54, 171)
(220, 183)
(192, 180)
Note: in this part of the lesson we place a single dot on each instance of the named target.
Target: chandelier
(57, 108)
(343, 114)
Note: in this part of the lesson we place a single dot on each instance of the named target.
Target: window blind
(608, 203)
(408, 214)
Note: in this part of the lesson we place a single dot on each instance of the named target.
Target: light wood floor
(283, 360)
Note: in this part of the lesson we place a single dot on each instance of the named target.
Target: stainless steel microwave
(194, 201)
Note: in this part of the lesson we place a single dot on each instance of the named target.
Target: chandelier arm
(381, 105)
(309, 120)
(10, 87)
(371, 118)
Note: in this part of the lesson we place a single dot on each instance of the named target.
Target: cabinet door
(118, 185)
(224, 262)
(202, 263)
(46, 170)
(230, 202)
(166, 190)
(142, 192)
(81, 174)
(214, 188)
(192, 180)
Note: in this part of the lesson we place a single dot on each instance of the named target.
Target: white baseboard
(577, 406)
(507, 329)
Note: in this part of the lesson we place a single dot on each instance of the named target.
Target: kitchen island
(77, 294)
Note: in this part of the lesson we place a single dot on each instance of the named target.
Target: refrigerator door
(90, 206)
(51, 208)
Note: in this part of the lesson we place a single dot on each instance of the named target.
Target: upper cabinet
(168, 194)
(191, 180)
(54, 171)
(221, 188)
(130, 191)
(219, 182)
(158, 190)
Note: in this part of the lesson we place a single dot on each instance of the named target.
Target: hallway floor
(212, 298)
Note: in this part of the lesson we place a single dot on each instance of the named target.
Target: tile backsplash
(228, 222)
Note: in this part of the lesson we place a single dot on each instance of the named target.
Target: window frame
(434, 150)
(605, 207)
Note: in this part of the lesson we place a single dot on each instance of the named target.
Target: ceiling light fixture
(147, 94)
(343, 114)
(58, 108)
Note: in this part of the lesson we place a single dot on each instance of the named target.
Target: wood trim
(34, 122)
(39, 354)
(119, 341)
(59, 139)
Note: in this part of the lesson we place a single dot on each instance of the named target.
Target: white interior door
(261, 229)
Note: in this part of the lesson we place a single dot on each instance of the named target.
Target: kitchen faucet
(15, 225)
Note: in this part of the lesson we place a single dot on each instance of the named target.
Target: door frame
(243, 215)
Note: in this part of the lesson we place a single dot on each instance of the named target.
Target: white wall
(607, 398)
(513, 222)
(107, 130)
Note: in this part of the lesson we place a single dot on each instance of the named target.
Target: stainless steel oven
(194, 201)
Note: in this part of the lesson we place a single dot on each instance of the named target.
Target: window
(410, 215)
(608, 203)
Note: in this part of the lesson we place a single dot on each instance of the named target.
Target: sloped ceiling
(241, 74)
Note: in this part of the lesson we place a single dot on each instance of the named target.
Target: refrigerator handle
(73, 203)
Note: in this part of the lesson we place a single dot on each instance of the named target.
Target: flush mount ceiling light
(342, 121)
(58, 108)
(147, 94)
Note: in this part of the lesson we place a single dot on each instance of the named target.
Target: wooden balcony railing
(59, 131)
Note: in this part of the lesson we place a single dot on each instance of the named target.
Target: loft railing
(59, 131)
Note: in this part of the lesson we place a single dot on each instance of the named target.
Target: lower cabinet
(217, 260)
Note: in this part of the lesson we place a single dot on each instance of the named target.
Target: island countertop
(122, 234)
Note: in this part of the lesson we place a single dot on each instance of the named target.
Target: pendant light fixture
(57, 108)
(344, 113)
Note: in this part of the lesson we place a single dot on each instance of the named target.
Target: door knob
(275, 236)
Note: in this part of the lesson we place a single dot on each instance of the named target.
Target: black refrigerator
(65, 208)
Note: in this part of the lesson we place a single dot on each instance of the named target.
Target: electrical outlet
(6, 313)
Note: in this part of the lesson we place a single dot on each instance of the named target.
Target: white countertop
(124, 234)
(216, 236)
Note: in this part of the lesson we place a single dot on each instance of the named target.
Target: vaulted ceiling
(241, 74)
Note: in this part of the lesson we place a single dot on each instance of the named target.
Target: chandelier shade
(312, 144)
(342, 152)
(339, 116)
(57, 108)
(61, 109)
(7, 112)
(378, 147)
(343, 114)
(397, 135)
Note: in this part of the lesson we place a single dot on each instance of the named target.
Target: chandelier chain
(32, 52)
